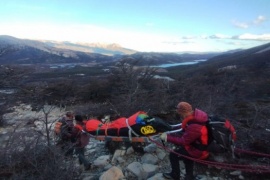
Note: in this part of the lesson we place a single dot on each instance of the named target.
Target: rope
(248, 168)
(130, 130)
(251, 152)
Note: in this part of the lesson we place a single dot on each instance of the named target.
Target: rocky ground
(137, 161)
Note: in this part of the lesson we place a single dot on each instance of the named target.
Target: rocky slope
(126, 162)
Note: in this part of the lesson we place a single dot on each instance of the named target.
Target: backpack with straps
(57, 128)
(57, 131)
(221, 135)
(61, 128)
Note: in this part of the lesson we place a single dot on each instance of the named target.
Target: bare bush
(11, 77)
(134, 88)
(27, 156)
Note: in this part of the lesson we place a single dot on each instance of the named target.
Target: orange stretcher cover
(94, 124)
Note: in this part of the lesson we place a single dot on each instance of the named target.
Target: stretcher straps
(106, 129)
(176, 125)
(130, 130)
(98, 128)
(122, 139)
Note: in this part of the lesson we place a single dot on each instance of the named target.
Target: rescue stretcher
(137, 128)
(140, 139)
(141, 128)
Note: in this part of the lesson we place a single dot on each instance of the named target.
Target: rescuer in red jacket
(192, 142)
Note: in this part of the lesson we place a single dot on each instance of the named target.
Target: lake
(7, 90)
(181, 64)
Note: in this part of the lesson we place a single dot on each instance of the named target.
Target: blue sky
(142, 25)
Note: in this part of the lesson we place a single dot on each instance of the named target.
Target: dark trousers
(67, 147)
(174, 160)
(80, 152)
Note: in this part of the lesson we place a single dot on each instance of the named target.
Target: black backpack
(221, 135)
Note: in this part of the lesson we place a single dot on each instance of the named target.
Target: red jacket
(194, 134)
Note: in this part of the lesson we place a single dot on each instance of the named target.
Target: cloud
(178, 42)
(260, 19)
(235, 43)
(247, 36)
(219, 36)
(85, 33)
(244, 25)
(189, 37)
(241, 25)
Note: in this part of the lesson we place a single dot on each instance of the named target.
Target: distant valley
(22, 51)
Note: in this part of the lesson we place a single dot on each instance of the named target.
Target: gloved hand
(163, 137)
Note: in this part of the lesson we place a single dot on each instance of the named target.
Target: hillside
(105, 49)
(246, 72)
(23, 51)
(256, 58)
(155, 58)
(51, 46)
(233, 85)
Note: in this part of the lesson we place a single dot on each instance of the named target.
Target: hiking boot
(169, 176)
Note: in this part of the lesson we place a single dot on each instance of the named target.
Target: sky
(142, 25)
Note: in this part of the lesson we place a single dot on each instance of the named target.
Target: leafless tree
(132, 87)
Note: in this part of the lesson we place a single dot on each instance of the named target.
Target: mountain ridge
(18, 51)
(106, 49)
(24, 51)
